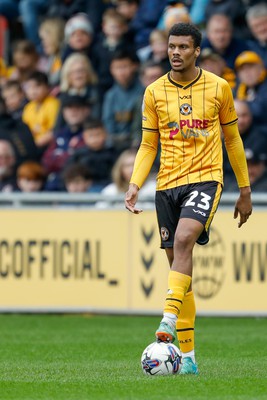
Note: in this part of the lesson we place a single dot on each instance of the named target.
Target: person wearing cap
(66, 139)
(79, 35)
(252, 84)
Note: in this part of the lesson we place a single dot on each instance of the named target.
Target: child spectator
(158, 49)
(15, 99)
(51, 32)
(252, 85)
(78, 36)
(109, 41)
(26, 60)
(75, 110)
(77, 178)
(31, 177)
(119, 101)
(96, 154)
(79, 78)
(41, 112)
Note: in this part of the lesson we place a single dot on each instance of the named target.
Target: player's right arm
(143, 163)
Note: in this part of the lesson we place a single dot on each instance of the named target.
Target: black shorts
(196, 201)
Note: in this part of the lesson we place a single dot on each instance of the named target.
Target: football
(160, 358)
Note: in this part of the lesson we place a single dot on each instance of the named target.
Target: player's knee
(184, 240)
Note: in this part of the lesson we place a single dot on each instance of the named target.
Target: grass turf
(98, 357)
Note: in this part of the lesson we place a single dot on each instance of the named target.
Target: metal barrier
(59, 199)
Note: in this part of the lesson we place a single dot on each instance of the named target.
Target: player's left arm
(235, 150)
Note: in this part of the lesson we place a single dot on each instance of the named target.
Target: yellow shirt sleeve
(236, 154)
(145, 158)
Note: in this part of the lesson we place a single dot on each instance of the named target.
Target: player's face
(182, 53)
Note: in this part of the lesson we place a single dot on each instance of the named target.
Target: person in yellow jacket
(41, 112)
(185, 110)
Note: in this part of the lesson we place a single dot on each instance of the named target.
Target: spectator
(256, 161)
(15, 99)
(96, 154)
(252, 84)
(174, 13)
(41, 112)
(149, 72)
(30, 12)
(121, 174)
(26, 60)
(119, 101)
(158, 49)
(220, 38)
(31, 177)
(19, 135)
(235, 10)
(7, 167)
(51, 32)
(257, 22)
(213, 62)
(66, 139)
(78, 36)
(251, 133)
(111, 39)
(77, 178)
(145, 20)
(78, 78)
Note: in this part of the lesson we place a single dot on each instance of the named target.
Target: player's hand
(243, 207)
(131, 197)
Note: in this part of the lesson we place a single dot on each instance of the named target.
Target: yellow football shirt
(187, 119)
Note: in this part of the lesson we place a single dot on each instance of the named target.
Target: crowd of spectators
(73, 74)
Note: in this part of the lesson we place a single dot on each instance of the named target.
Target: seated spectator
(128, 9)
(51, 32)
(25, 59)
(235, 10)
(79, 78)
(77, 178)
(145, 20)
(149, 72)
(220, 38)
(257, 22)
(257, 171)
(15, 99)
(119, 101)
(158, 49)
(19, 135)
(174, 13)
(31, 177)
(78, 36)
(66, 139)
(251, 133)
(213, 62)
(121, 174)
(96, 154)
(111, 39)
(41, 112)
(252, 84)
(7, 167)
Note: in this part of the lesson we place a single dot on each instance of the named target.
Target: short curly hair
(187, 29)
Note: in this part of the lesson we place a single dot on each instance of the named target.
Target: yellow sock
(185, 324)
(178, 285)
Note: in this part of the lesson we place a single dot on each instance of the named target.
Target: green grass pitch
(98, 357)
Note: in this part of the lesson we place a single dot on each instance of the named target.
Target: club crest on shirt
(185, 109)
